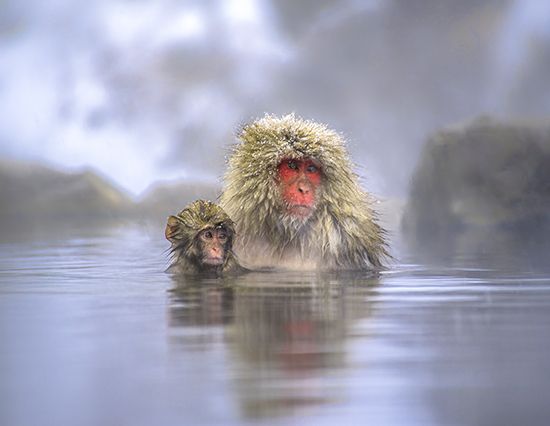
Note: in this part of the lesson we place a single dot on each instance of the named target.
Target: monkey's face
(299, 184)
(214, 244)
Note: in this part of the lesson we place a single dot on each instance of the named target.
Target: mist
(151, 91)
(115, 114)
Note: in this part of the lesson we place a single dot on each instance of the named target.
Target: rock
(36, 196)
(165, 199)
(480, 179)
(38, 200)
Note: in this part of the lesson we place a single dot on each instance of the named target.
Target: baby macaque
(202, 240)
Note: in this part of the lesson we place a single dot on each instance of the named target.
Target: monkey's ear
(172, 228)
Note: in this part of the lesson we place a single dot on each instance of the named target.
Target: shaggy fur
(342, 233)
(182, 231)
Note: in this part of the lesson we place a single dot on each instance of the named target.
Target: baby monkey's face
(214, 245)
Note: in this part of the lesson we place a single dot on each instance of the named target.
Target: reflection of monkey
(280, 334)
(200, 302)
(202, 239)
(297, 203)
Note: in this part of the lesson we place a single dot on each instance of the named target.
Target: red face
(299, 182)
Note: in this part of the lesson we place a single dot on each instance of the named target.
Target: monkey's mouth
(214, 261)
(301, 211)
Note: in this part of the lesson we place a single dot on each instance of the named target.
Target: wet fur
(183, 232)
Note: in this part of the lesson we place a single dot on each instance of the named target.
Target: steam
(146, 91)
(526, 22)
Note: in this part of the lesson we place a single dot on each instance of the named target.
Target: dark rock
(480, 179)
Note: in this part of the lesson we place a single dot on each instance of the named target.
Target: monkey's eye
(293, 165)
(222, 236)
(208, 235)
(312, 168)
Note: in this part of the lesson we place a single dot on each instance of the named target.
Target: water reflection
(495, 248)
(94, 333)
(286, 333)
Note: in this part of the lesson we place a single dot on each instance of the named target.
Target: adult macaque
(291, 189)
(202, 240)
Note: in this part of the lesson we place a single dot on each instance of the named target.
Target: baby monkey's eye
(208, 235)
(222, 236)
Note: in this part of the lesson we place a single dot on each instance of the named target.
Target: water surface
(94, 332)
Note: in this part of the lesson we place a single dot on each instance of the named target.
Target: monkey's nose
(303, 188)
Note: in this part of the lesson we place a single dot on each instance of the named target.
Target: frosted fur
(342, 232)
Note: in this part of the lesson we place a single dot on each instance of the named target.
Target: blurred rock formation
(38, 199)
(164, 199)
(34, 196)
(483, 183)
